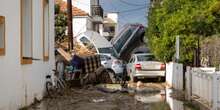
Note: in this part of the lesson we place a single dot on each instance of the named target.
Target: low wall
(174, 75)
(203, 86)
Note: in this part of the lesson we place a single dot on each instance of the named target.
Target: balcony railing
(97, 11)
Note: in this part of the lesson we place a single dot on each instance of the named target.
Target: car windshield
(145, 58)
(104, 57)
(107, 50)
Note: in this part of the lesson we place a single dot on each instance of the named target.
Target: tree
(60, 24)
(190, 19)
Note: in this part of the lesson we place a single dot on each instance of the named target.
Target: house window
(2, 35)
(26, 31)
(46, 30)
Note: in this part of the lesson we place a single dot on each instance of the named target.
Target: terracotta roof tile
(75, 11)
(78, 12)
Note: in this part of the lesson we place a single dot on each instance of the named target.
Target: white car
(144, 65)
(94, 41)
(112, 63)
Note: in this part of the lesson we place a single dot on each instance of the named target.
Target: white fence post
(215, 92)
(174, 75)
(188, 85)
(202, 84)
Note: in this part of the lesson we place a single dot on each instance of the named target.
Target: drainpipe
(70, 23)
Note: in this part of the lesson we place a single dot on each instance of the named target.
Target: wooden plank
(2, 19)
(66, 55)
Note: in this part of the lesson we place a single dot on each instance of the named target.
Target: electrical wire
(131, 4)
(114, 7)
(132, 10)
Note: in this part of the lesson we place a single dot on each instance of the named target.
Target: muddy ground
(145, 96)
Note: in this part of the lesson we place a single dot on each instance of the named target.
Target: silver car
(144, 65)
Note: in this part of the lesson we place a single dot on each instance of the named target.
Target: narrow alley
(109, 55)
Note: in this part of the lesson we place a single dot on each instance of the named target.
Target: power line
(129, 10)
(122, 18)
(132, 10)
(113, 6)
(131, 4)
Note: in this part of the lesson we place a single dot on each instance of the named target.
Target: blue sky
(130, 11)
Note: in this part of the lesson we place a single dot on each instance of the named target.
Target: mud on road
(138, 96)
(91, 98)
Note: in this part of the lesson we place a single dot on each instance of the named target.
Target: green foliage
(57, 8)
(190, 19)
(60, 24)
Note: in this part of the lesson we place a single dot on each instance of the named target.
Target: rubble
(89, 63)
(98, 100)
(140, 84)
(83, 51)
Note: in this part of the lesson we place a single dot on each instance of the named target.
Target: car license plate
(150, 67)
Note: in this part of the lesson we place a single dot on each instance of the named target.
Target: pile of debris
(82, 50)
(88, 62)
(77, 49)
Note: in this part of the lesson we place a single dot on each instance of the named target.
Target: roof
(75, 11)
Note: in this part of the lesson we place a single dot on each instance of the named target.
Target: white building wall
(101, 29)
(89, 24)
(21, 83)
(114, 17)
(81, 24)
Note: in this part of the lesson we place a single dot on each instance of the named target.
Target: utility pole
(70, 23)
(198, 53)
(177, 48)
